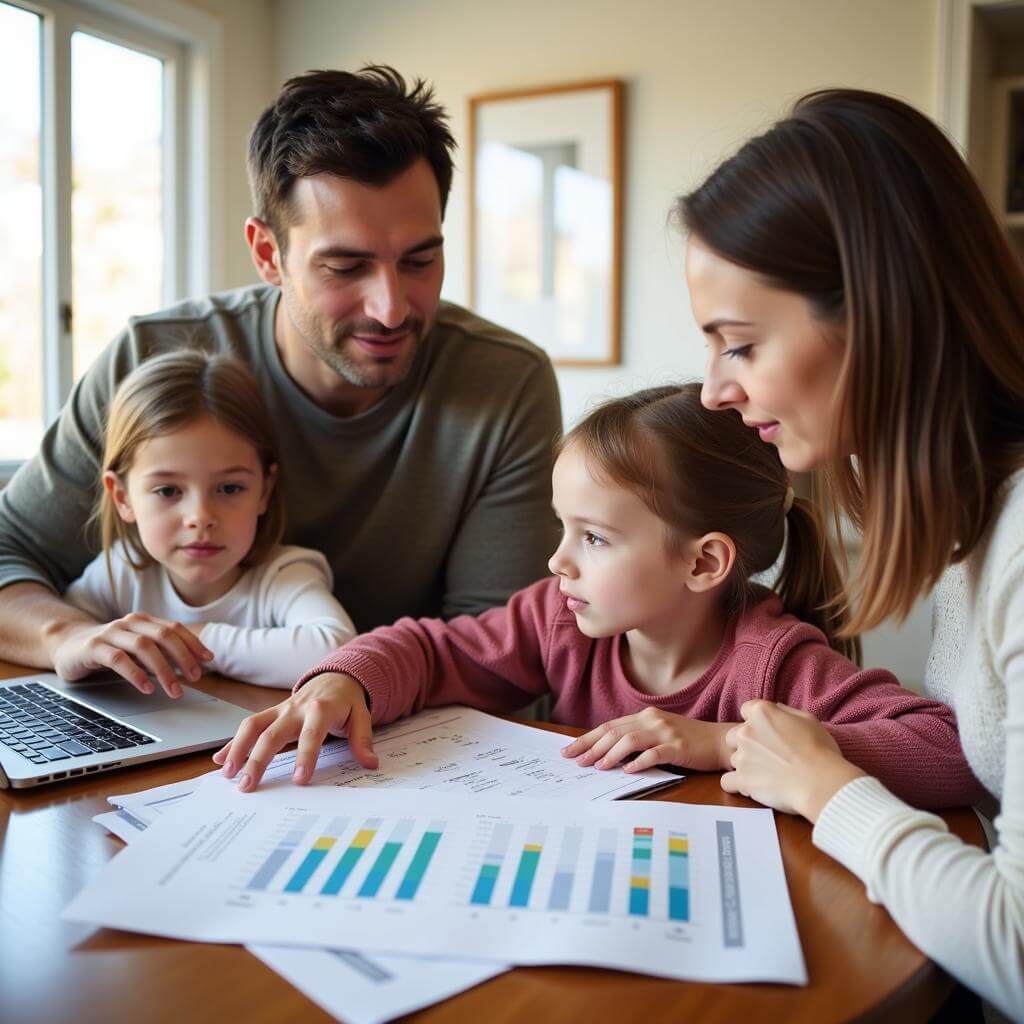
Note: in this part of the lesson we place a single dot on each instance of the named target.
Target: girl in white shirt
(191, 521)
(865, 313)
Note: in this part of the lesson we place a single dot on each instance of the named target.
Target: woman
(864, 313)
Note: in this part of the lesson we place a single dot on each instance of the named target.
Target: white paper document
(678, 890)
(451, 749)
(121, 826)
(349, 985)
(363, 989)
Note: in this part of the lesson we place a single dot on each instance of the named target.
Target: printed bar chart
(528, 861)
(604, 867)
(386, 857)
(639, 872)
(675, 890)
(491, 866)
(323, 845)
(281, 853)
(420, 861)
(678, 877)
(561, 886)
(350, 858)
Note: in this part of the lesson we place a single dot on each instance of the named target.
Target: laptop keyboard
(46, 726)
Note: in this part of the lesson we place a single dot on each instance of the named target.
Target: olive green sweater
(436, 501)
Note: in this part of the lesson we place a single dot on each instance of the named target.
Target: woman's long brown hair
(703, 472)
(859, 203)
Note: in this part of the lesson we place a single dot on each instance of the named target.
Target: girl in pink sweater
(650, 631)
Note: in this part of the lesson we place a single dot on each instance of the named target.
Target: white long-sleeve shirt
(961, 906)
(273, 624)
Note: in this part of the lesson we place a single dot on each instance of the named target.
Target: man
(416, 437)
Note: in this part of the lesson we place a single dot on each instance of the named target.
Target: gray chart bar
(729, 885)
(604, 868)
(281, 853)
(561, 887)
(369, 969)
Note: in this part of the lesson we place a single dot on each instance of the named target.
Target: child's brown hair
(700, 472)
(165, 394)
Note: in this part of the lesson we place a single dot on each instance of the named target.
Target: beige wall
(701, 75)
(249, 83)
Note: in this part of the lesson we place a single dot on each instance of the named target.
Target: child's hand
(329, 703)
(135, 647)
(660, 736)
(785, 759)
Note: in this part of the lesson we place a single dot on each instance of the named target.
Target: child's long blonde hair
(165, 394)
(700, 472)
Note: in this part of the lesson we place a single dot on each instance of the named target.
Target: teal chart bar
(640, 872)
(382, 865)
(420, 861)
(281, 853)
(321, 847)
(528, 861)
(678, 876)
(491, 866)
(350, 858)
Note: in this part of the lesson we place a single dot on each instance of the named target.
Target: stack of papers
(474, 838)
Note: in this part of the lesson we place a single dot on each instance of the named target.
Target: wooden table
(860, 964)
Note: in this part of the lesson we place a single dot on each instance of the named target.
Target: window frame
(190, 44)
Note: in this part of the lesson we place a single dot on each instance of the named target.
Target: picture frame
(545, 216)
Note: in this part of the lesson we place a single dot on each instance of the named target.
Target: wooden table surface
(860, 964)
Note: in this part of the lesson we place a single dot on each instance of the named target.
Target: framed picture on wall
(545, 221)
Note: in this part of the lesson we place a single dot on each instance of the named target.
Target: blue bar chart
(679, 890)
(638, 872)
(395, 871)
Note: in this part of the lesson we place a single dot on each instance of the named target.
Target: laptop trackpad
(123, 700)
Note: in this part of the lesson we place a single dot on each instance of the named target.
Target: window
(118, 181)
(21, 235)
(104, 194)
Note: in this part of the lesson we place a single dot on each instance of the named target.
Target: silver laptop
(52, 730)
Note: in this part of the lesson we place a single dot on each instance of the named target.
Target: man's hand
(661, 738)
(329, 703)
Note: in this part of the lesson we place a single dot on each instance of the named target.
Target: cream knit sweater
(961, 906)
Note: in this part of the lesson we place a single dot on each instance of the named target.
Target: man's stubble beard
(360, 376)
(335, 358)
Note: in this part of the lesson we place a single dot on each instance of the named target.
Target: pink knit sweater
(505, 658)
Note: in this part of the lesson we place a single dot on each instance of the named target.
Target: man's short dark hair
(368, 126)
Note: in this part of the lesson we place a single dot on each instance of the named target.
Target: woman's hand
(659, 736)
(785, 759)
(329, 703)
(135, 647)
